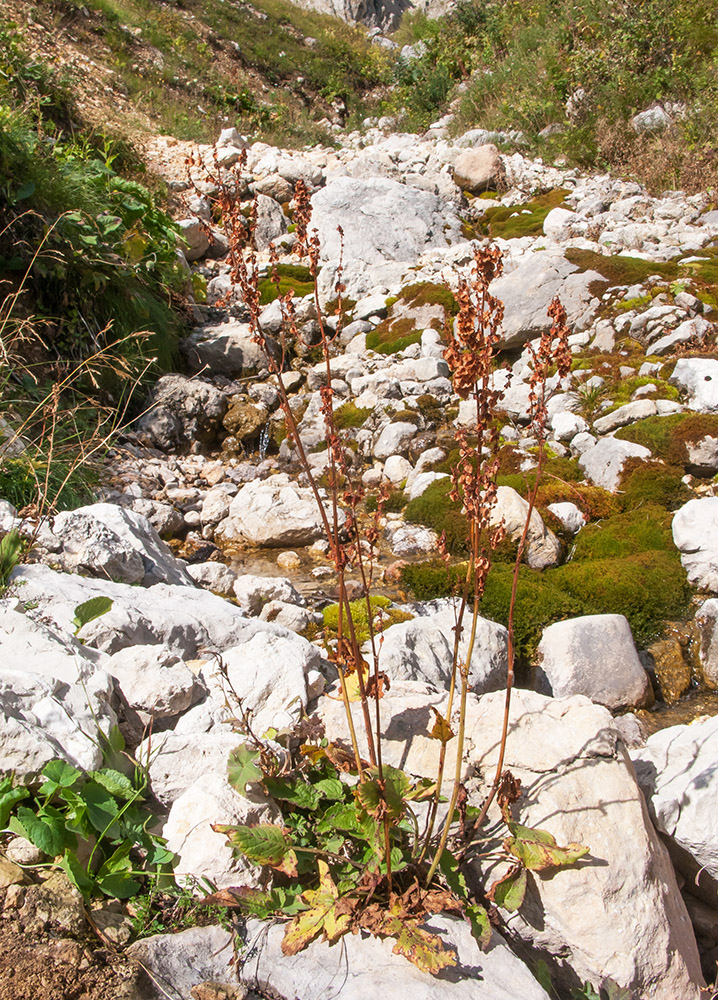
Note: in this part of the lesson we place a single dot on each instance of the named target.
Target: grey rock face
(384, 14)
(698, 378)
(527, 291)
(367, 968)
(273, 512)
(707, 625)
(185, 619)
(183, 414)
(180, 961)
(422, 649)
(595, 656)
(111, 542)
(678, 772)
(578, 783)
(367, 211)
(603, 462)
(695, 533)
(224, 349)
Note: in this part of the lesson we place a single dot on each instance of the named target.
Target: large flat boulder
(617, 914)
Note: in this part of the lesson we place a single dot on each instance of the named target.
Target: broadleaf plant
(362, 844)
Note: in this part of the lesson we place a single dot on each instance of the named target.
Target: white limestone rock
(114, 543)
(594, 655)
(695, 534)
(603, 463)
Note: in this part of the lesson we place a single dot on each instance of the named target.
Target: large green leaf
(102, 809)
(293, 790)
(58, 774)
(77, 874)
(46, 833)
(508, 892)
(266, 844)
(330, 788)
(117, 784)
(8, 801)
(242, 768)
(385, 796)
(89, 610)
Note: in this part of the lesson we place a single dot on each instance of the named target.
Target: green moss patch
(292, 277)
(383, 615)
(652, 482)
(435, 509)
(514, 221)
(620, 270)
(393, 336)
(427, 293)
(350, 415)
(668, 436)
(645, 529)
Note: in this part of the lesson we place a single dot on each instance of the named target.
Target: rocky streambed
(210, 545)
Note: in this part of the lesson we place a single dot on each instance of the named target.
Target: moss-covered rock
(652, 482)
(294, 277)
(645, 529)
(383, 615)
(350, 415)
(435, 509)
(669, 437)
(514, 221)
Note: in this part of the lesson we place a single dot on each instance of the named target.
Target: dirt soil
(40, 959)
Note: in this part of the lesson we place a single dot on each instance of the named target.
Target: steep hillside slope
(189, 69)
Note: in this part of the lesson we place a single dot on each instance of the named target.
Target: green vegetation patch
(645, 529)
(435, 509)
(427, 293)
(652, 482)
(350, 415)
(514, 221)
(383, 615)
(393, 336)
(668, 436)
(292, 277)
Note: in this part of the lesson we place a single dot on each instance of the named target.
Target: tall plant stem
(510, 674)
(459, 747)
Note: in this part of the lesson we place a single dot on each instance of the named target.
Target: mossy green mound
(514, 221)
(435, 509)
(648, 587)
(390, 337)
(646, 529)
(654, 483)
(383, 615)
(350, 415)
(292, 277)
(667, 437)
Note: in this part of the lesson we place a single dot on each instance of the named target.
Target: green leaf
(538, 850)
(343, 817)
(388, 800)
(508, 892)
(89, 610)
(330, 788)
(77, 874)
(102, 809)
(242, 768)
(480, 924)
(454, 876)
(45, 833)
(115, 783)
(8, 801)
(266, 844)
(27, 190)
(293, 790)
(59, 774)
(119, 886)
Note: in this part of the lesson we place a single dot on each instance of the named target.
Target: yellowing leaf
(441, 730)
(508, 892)
(538, 850)
(321, 916)
(423, 949)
